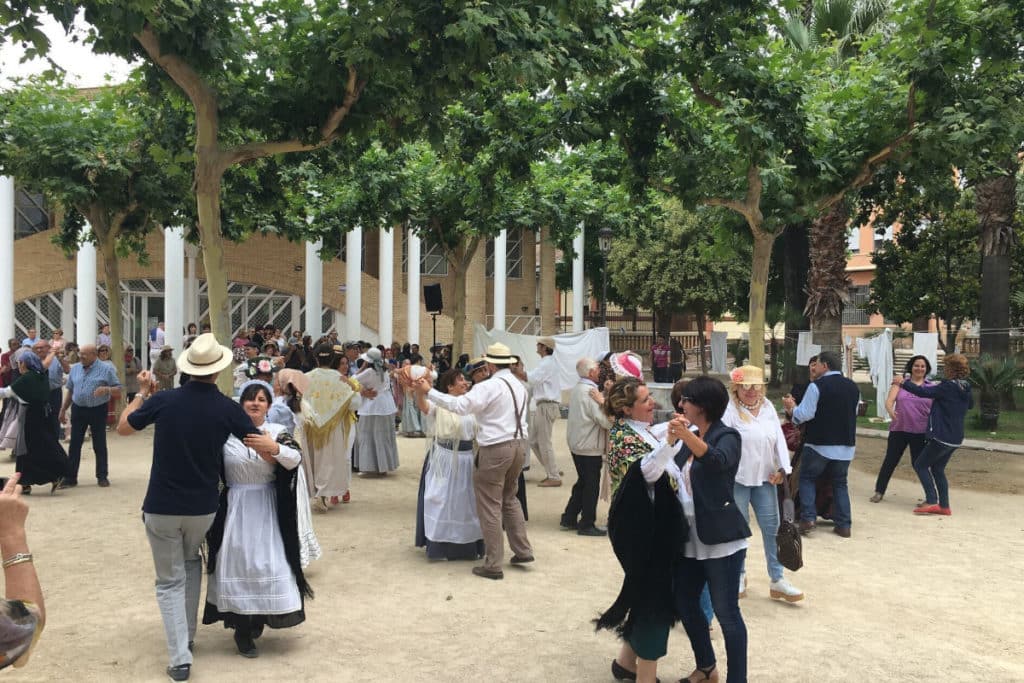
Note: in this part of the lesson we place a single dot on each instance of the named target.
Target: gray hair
(584, 366)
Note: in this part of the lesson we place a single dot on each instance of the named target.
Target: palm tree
(838, 24)
(995, 201)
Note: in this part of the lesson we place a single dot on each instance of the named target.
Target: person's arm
(594, 411)
(146, 387)
(471, 402)
(48, 360)
(808, 407)
(723, 454)
(654, 464)
(890, 400)
(20, 579)
(925, 391)
(272, 450)
(66, 403)
(781, 448)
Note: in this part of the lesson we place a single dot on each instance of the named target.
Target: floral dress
(625, 447)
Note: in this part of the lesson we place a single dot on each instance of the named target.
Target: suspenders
(519, 412)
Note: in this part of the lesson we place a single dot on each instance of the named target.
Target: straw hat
(204, 357)
(747, 374)
(547, 341)
(499, 354)
(627, 364)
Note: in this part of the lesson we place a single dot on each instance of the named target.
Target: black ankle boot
(244, 643)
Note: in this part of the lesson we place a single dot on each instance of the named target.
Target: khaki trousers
(496, 481)
(541, 427)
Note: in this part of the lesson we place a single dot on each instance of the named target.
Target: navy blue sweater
(951, 399)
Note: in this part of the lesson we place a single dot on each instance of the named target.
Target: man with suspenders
(500, 407)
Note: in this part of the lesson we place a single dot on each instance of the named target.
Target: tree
(98, 157)
(693, 266)
(930, 270)
(282, 76)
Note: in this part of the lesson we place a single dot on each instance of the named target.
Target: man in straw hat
(547, 393)
(192, 424)
(499, 406)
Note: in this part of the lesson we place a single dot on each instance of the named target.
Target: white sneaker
(743, 585)
(784, 590)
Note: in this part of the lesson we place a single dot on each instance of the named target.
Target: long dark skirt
(440, 550)
(42, 460)
(252, 623)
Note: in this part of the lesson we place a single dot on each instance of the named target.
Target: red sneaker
(334, 500)
(943, 511)
(347, 498)
(927, 509)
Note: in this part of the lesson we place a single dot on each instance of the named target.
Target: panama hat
(204, 357)
(747, 374)
(499, 354)
(547, 341)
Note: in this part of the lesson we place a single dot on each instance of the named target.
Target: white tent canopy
(569, 348)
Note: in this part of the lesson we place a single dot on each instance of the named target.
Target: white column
(314, 289)
(412, 332)
(85, 285)
(500, 277)
(174, 288)
(578, 282)
(7, 260)
(67, 312)
(353, 283)
(386, 292)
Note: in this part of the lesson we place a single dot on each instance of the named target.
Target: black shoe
(521, 559)
(592, 531)
(495, 574)
(103, 483)
(69, 483)
(180, 672)
(246, 646)
(57, 485)
(26, 490)
(621, 673)
(568, 526)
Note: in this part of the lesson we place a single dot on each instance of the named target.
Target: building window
(513, 255)
(855, 311)
(882, 237)
(432, 259)
(30, 215)
(853, 241)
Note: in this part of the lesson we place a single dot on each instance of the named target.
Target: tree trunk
(548, 292)
(827, 285)
(701, 343)
(106, 242)
(795, 265)
(995, 203)
(208, 185)
(460, 260)
(776, 379)
(759, 292)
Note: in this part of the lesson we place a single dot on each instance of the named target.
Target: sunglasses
(748, 386)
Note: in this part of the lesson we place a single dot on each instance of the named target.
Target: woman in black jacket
(702, 474)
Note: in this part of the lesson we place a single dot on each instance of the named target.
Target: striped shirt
(84, 381)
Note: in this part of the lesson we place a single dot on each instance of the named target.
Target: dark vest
(835, 420)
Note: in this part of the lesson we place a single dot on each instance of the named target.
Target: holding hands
(264, 444)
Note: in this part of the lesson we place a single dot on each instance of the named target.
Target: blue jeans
(931, 470)
(720, 576)
(812, 466)
(765, 500)
(705, 604)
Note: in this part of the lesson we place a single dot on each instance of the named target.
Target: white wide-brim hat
(499, 354)
(204, 357)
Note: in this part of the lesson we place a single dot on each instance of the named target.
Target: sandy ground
(906, 599)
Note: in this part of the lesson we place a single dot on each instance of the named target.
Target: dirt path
(906, 599)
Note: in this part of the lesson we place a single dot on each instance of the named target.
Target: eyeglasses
(748, 387)
(684, 399)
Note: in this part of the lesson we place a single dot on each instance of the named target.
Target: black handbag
(790, 544)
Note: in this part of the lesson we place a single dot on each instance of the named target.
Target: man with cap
(499, 406)
(547, 393)
(193, 422)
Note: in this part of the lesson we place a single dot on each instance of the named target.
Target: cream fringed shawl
(326, 405)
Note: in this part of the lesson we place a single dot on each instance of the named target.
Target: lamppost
(604, 243)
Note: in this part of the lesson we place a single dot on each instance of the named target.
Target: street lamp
(604, 243)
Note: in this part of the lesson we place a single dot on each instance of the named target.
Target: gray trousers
(174, 541)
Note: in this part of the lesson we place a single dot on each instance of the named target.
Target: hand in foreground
(775, 478)
(264, 445)
(676, 427)
(422, 386)
(597, 396)
(368, 393)
(897, 381)
(13, 509)
(789, 403)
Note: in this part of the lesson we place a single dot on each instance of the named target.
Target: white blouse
(764, 445)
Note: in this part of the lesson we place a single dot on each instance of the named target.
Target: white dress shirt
(544, 381)
(491, 404)
(764, 445)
